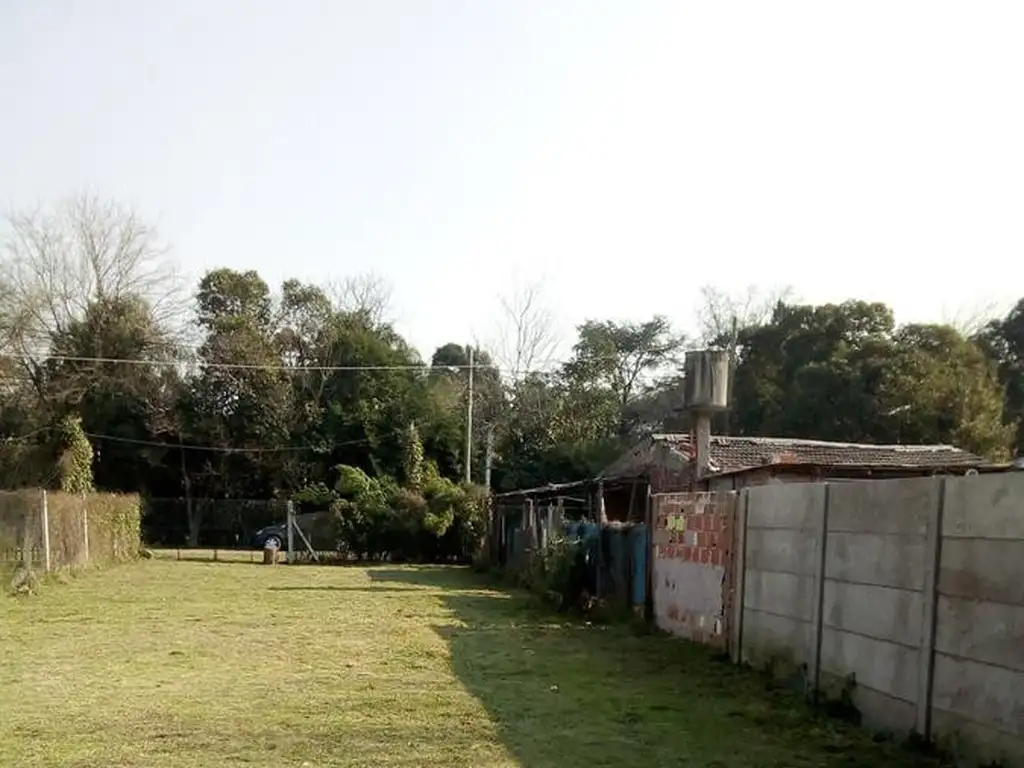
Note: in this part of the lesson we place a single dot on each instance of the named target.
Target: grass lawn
(208, 664)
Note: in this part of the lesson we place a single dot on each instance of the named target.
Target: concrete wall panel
(886, 667)
(767, 637)
(781, 550)
(982, 693)
(882, 613)
(883, 506)
(988, 632)
(794, 505)
(884, 560)
(983, 569)
(985, 506)
(782, 594)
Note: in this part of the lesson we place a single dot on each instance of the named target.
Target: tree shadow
(562, 692)
(332, 588)
(436, 576)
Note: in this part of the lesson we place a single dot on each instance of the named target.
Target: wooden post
(649, 566)
(291, 531)
(85, 528)
(531, 521)
(602, 518)
(45, 521)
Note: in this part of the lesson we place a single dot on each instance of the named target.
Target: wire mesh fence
(209, 524)
(21, 529)
(50, 531)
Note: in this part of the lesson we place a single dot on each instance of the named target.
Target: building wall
(757, 477)
(913, 587)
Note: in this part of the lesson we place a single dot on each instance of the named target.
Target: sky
(619, 154)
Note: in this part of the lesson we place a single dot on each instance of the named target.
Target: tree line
(237, 389)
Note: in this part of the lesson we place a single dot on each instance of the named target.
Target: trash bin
(269, 554)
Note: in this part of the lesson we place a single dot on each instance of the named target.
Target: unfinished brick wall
(692, 575)
(696, 527)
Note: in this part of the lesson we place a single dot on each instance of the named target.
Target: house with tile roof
(665, 463)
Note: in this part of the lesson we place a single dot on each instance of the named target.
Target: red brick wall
(695, 529)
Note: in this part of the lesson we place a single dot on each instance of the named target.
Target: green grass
(176, 664)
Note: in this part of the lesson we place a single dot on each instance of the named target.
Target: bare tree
(55, 262)
(969, 319)
(366, 292)
(526, 339)
(722, 315)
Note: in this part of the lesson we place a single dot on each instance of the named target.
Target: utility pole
(489, 457)
(469, 422)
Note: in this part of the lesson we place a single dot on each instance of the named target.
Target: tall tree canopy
(280, 386)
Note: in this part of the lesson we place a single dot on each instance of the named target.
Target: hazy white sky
(622, 152)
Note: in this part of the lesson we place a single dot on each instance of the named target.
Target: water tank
(707, 381)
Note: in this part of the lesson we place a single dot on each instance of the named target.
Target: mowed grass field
(201, 664)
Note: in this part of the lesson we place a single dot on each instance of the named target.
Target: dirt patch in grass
(189, 664)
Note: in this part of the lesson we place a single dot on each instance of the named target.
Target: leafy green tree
(620, 357)
(412, 459)
(125, 405)
(940, 387)
(239, 398)
(1003, 342)
(845, 372)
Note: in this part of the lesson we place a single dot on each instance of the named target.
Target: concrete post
(929, 599)
(818, 620)
(739, 543)
(45, 522)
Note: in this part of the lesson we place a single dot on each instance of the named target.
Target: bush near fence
(81, 529)
(602, 562)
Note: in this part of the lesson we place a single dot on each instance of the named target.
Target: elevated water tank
(706, 385)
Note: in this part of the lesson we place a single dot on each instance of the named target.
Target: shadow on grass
(436, 576)
(561, 692)
(331, 588)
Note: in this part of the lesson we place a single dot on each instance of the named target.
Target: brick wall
(693, 564)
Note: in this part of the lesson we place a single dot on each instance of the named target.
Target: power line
(242, 366)
(410, 367)
(229, 449)
(406, 367)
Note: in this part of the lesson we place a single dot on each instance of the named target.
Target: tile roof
(729, 454)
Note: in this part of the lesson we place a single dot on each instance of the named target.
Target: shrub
(76, 457)
(376, 518)
(558, 571)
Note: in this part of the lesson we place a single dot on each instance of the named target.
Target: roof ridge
(801, 441)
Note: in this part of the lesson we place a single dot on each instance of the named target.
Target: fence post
(45, 521)
(739, 574)
(291, 531)
(599, 555)
(930, 597)
(817, 619)
(85, 529)
(649, 562)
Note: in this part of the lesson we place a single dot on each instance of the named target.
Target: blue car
(272, 536)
